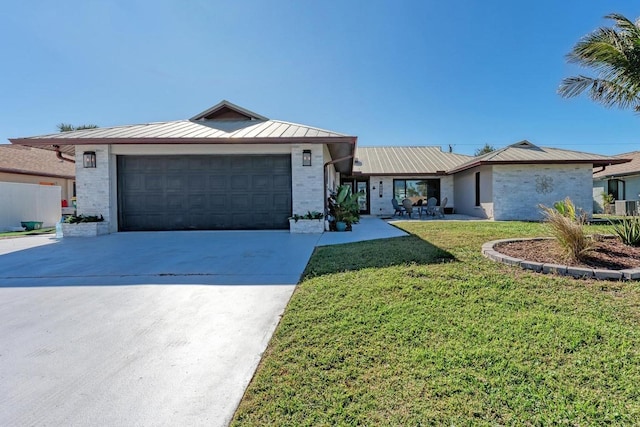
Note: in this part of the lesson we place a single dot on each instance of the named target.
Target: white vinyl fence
(29, 202)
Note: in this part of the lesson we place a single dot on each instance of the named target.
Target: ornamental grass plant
(567, 226)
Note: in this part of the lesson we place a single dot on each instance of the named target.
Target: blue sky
(424, 72)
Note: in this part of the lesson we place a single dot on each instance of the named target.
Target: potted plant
(311, 222)
(608, 203)
(344, 209)
(84, 226)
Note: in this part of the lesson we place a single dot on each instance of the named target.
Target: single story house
(622, 181)
(224, 168)
(230, 168)
(32, 166)
(506, 184)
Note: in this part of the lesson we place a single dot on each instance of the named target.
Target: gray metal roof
(528, 153)
(224, 123)
(405, 160)
(188, 129)
(624, 169)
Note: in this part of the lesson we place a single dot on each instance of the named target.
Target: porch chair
(440, 208)
(431, 206)
(408, 206)
(398, 209)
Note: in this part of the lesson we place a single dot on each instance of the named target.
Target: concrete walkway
(163, 328)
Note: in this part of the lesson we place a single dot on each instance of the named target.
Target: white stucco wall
(97, 187)
(518, 190)
(631, 187)
(599, 187)
(465, 192)
(631, 190)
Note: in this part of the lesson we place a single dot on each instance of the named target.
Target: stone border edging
(488, 250)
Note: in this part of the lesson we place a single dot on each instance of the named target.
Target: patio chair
(430, 209)
(440, 209)
(408, 206)
(398, 209)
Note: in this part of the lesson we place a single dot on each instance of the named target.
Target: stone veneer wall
(519, 189)
(382, 205)
(307, 181)
(93, 185)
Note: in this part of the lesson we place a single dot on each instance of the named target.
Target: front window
(416, 189)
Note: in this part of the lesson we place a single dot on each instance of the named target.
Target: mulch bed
(608, 253)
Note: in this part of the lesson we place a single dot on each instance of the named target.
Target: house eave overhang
(338, 146)
(401, 174)
(594, 162)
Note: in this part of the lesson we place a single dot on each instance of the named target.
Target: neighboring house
(622, 181)
(225, 168)
(230, 168)
(32, 166)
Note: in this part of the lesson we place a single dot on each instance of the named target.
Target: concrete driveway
(139, 328)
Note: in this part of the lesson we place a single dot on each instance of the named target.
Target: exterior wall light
(89, 159)
(306, 157)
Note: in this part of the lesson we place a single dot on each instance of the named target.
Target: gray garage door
(204, 192)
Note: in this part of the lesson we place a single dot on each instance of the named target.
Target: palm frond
(625, 24)
(605, 92)
(614, 55)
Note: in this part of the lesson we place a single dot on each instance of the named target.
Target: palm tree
(484, 150)
(614, 54)
(65, 127)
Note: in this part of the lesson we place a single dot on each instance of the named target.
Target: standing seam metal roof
(213, 129)
(405, 160)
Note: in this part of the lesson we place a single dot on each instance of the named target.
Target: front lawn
(10, 234)
(424, 330)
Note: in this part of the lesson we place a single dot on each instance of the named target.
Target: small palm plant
(567, 226)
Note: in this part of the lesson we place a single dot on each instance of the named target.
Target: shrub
(308, 215)
(73, 219)
(628, 229)
(567, 226)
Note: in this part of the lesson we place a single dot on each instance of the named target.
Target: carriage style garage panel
(230, 192)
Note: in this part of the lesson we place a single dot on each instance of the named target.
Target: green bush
(567, 226)
(628, 229)
(76, 219)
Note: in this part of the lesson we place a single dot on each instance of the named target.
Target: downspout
(324, 169)
(59, 155)
(601, 170)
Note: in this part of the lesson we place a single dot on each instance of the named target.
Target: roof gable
(225, 110)
(524, 152)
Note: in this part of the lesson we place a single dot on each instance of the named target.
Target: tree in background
(65, 127)
(614, 54)
(484, 150)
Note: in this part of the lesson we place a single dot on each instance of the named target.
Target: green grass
(424, 330)
(27, 233)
